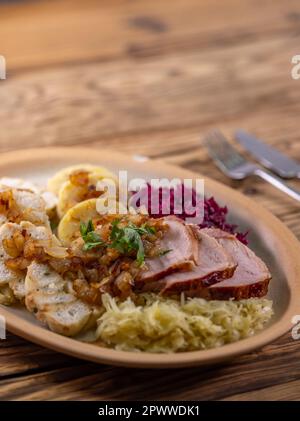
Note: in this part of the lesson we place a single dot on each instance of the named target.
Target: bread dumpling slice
(9, 277)
(17, 287)
(32, 207)
(18, 183)
(10, 234)
(22, 205)
(41, 279)
(68, 319)
(41, 300)
(48, 297)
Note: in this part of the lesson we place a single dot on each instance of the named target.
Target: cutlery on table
(269, 157)
(235, 166)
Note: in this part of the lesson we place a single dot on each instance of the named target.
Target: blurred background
(148, 77)
(151, 78)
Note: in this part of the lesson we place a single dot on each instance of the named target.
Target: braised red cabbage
(214, 214)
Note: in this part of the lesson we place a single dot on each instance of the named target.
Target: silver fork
(231, 163)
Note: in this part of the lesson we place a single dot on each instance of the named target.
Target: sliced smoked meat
(182, 242)
(213, 265)
(251, 277)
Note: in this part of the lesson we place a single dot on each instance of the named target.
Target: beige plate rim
(287, 246)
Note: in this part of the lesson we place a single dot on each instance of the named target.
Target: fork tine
(216, 142)
(224, 155)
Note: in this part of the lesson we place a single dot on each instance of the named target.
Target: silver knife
(268, 156)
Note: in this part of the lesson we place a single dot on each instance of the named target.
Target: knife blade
(268, 156)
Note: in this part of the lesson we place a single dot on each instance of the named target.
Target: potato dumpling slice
(56, 182)
(81, 186)
(69, 226)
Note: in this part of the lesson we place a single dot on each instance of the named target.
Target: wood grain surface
(151, 78)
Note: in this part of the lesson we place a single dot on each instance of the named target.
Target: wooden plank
(112, 99)
(36, 34)
(282, 392)
(21, 357)
(94, 382)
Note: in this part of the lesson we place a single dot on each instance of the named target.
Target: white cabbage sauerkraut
(163, 325)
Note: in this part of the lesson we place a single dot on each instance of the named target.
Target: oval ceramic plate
(270, 239)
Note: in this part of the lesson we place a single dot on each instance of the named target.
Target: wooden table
(151, 78)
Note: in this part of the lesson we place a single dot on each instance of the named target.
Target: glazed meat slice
(213, 265)
(182, 242)
(251, 277)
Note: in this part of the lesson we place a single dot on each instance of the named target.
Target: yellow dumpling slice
(56, 182)
(69, 226)
(76, 191)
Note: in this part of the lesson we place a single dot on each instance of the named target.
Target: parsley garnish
(90, 237)
(126, 239)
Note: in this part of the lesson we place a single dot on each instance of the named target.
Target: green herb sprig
(90, 237)
(129, 238)
(126, 239)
